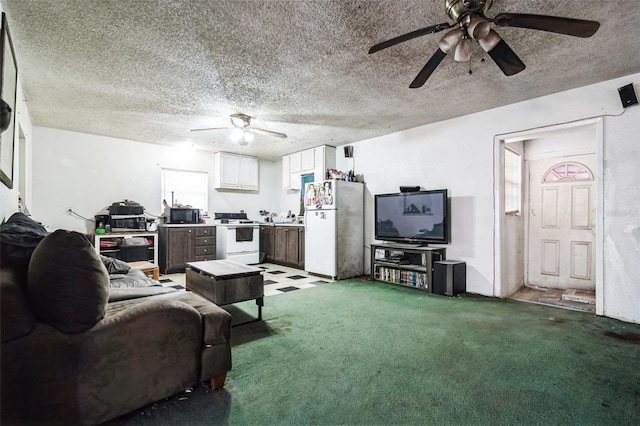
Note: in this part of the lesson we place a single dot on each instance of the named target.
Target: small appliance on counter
(134, 222)
(103, 223)
(123, 215)
(126, 208)
(182, 215)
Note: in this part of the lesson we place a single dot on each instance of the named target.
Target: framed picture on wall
(8, 90)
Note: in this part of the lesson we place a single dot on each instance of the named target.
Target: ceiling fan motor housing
(457, 8)
(240, 120)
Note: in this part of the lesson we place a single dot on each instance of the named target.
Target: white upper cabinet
(315, 160)
(249, 173)
(286, 172)
(295, 161)
(325, 158)
(234, 171)
(307, 163)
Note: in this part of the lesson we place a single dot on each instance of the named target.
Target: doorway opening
(549, 247)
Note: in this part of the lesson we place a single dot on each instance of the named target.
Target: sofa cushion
(19, 236)
(119, 294)
(68, 283)
(17, 318)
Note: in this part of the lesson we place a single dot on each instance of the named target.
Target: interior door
(561, 240)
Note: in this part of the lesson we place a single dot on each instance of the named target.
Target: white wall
(87, 173)
(23, 128)
(458, 155)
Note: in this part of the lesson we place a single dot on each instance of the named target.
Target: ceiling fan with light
(472, 23)
(242, 131)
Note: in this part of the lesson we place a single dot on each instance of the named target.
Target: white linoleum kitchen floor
(278, 279)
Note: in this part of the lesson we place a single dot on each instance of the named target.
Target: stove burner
(230, 216)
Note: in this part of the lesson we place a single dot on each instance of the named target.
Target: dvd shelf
(405, 265)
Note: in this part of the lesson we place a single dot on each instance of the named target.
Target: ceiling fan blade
(448, 42)
(267, 132)
(554, 24)
(210, 128)
(505, 58)
(413, 34)
(428, 69)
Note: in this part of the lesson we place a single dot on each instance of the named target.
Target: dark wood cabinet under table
(180, 244)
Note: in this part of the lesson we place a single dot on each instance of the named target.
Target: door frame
(500, 288)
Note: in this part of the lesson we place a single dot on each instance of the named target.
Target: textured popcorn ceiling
(151, 70)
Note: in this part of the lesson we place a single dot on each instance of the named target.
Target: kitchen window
(185, 188)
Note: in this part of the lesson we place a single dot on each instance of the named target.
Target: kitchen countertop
(190, 225)
(185, 225)
(281, 224)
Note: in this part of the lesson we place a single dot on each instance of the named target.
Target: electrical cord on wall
(153, 215)
(79, 216)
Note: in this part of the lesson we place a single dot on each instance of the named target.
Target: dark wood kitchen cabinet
(267, 242)
(181, 244)
(288, 245)
(280, 245)
(301, 242)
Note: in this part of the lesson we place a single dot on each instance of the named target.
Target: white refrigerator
(334, 229)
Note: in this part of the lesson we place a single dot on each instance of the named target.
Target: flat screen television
(412, 217)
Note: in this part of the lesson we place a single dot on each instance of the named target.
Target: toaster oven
(128, 223)
(182, 215)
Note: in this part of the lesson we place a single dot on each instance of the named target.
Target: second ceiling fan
(242, 130)
(472, 24)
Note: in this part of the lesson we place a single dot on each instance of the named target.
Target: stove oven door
(243, 244)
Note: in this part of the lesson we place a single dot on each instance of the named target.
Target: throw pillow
(68, 283)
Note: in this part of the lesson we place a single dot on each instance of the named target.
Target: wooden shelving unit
(405, 264)
(115, 240)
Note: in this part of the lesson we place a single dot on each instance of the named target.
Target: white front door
(561, 243)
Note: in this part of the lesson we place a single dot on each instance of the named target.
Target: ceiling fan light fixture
(450, 40)
(236, 135)
(490, 41)
(463, 50)
(240, 120)
(478, 28)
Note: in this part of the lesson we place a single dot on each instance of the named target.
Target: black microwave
(182, 215)
(132, 222)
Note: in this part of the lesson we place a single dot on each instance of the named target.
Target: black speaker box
(449, 277)
(627, 95)
(409, 188)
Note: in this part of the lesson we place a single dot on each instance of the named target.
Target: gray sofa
(75, 351)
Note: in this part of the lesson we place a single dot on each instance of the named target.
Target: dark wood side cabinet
(301, 243)
(267, 242)
(286, 243)
(181, 244)
(280, 245)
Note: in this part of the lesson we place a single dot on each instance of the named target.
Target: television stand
(403, 245)
(415, 268)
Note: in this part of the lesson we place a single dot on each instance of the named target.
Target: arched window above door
(568, 172)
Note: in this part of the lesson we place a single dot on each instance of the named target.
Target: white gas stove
(237, 238)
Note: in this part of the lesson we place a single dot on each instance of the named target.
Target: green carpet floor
(357, 352)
